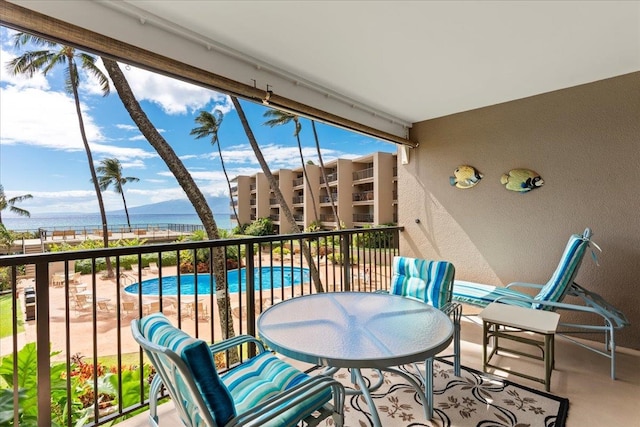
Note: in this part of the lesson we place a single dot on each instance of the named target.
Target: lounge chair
(135, 268)
(551, 295)
(129, 307)
(153, 267)
(430, 282)
(262, 390)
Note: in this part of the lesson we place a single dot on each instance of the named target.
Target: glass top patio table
(359, 330)
(355, 329)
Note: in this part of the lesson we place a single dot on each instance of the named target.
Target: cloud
(172, 95)
(37, 117)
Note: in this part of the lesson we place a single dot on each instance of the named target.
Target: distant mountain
(218, 205)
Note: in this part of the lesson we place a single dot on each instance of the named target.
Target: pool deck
(82, 324)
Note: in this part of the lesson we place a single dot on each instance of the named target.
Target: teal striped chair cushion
(265, 376)
(428, 281)
(482, 295)
(198, 358)
(553, 291)
(558, 286)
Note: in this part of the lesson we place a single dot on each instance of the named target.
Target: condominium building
(363, 190)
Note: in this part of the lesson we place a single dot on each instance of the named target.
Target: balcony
(363, 174)
(298, 182)
(363, 196)
(296, 200)
(329, 199)
(363, 217)
(96, 332)
(331, 177)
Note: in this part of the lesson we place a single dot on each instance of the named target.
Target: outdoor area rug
(474, 399)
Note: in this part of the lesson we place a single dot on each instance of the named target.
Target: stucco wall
(584, 142)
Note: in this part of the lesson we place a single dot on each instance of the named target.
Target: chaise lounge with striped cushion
(551, 295)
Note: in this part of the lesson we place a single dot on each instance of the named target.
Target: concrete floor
(581, 376)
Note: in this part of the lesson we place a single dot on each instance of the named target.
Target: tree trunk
(304, 172)
(189, 186)
(324, 176)
(92, 169)
(126, 211)
(224, 169)
(284, 208)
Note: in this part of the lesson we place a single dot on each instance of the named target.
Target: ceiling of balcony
(391, 63)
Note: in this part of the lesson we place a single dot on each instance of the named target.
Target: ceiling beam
(27, 20)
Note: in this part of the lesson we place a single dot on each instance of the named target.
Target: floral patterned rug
(474, 399)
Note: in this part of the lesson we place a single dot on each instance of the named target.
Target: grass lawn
(127, 359)
(6, 316)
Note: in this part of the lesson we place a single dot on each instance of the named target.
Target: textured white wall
(583, 141)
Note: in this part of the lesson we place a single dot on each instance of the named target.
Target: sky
(41, 151)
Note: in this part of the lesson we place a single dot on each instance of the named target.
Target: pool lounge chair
(551, 295)
(261, 391)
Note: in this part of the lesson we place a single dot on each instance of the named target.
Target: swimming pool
(268, 277)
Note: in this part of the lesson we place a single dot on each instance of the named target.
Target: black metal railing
(80, 339)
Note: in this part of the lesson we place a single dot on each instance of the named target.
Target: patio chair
(135, 268)
(551, 295)
(261, 391)
(129, 307)
(153, 267)
(430, 282)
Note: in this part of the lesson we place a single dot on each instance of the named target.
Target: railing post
(251, 293)
(346, 260)
(43, 342)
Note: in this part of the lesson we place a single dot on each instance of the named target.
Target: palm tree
(187, 183)
(284, 208)
(45, 60)
(209, 125)
(10, 203)
(110, 171)
(280, 118)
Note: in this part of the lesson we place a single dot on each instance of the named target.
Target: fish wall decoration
(465, 176)
(521, 180)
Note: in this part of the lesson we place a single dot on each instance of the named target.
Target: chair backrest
(187, 369)
(560, 282)
(428, 281)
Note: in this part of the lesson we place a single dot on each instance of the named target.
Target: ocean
(114, 221)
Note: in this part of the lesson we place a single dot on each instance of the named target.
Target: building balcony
(363, 174)
(328, 199)
(364, 196)
(363, 217)
(296, 200)
(298, 182)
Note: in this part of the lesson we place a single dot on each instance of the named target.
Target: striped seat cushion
(265, 376)
(199, 360)
(482, 295)
(428, 281)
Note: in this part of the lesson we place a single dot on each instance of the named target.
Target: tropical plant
(209, 126)
(260, 227)
(11, 204)
(284, 207)
(185, 180)
(110, 171)
(279, 118)
(45, 60)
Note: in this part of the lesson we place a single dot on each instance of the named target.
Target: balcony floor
(580, 375)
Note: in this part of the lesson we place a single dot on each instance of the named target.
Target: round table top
(355, 329)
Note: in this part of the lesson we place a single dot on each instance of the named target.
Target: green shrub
(260, 227)
(336, 258)
(375, 239)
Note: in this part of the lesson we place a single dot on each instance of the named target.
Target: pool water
(264, 278)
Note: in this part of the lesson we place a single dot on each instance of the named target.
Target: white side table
(512, 323)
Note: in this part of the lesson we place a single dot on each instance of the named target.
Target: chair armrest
(235, 342)
(524, 285)
(289, 398)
